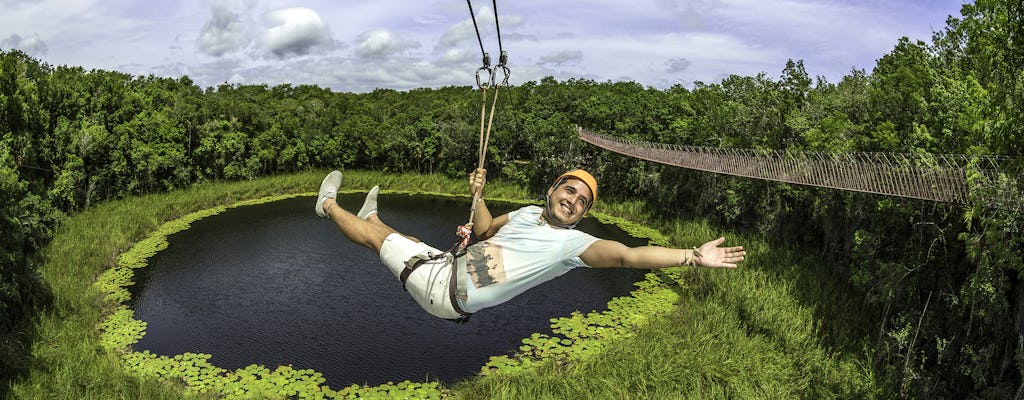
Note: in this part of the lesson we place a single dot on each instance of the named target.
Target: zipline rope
(497, 27)
(472, 15)
(455, 291)
(458, 270)
(486, 120)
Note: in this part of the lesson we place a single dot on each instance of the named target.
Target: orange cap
(584, 176)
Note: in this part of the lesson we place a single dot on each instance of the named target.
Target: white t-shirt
(524, 253)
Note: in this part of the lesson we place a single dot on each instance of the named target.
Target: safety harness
(456, 291)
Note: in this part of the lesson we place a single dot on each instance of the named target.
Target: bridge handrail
(936, 177)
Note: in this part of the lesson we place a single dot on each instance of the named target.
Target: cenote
(272, 284)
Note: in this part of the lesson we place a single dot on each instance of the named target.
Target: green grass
(776, 328)
(758, 332)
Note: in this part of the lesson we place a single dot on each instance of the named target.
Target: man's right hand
(477, 179)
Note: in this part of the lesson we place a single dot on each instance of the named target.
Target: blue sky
(358, 46)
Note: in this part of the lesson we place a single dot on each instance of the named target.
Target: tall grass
(69, 362)
(772, 329)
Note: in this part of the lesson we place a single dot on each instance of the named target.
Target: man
(516, 251)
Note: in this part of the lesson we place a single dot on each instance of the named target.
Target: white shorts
(428, 284)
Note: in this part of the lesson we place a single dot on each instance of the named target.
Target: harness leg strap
(410, 266)
(455, 291)
(458, 271)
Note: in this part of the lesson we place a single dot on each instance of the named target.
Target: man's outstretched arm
(609, 253)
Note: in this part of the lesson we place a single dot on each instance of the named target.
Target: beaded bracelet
(692, 260)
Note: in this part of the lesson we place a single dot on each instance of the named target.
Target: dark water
(273, 284)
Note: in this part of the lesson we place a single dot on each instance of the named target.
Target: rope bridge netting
(936, 177)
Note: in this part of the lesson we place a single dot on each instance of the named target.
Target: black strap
(408, 270)
(452, 288)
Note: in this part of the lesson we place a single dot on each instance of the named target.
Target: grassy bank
(776, 328)
(770, 329)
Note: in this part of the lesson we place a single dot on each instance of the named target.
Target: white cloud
(9, 4)
(31, 44)
(295, 31)
(465, 31)
(676, 65)
(457, 33)
(562, 57)
(340, 73)
(381, 43)
(831, 36)
(458, 56)
(690, 15)
(236, 79)
(225, 32)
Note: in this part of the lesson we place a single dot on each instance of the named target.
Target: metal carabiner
(505, 72)
(503, 58)
(490, 77)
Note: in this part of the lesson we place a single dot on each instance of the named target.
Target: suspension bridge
(936, 177)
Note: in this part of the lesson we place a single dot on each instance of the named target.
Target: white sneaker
(328, 190)
(370, 204)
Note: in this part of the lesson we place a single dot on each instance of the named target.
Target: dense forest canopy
(943, 281)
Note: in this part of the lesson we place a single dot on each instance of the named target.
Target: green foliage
(901, 92)
(582, 336)
(121, 330)
(26, 221)
(68, 359)
(634, 229)
(195, 372)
